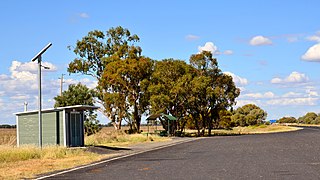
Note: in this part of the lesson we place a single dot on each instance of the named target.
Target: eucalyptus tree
(101, 55)
(249, 114)
(168, 88)
(212, 91)
(127, 81)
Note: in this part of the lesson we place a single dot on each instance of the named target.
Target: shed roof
(155, 116)
(76, 108)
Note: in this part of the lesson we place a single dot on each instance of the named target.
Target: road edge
(116, 158)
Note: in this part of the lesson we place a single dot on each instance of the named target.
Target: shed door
(75, 129)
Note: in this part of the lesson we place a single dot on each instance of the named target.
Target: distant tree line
(131, 85)
(7, 126)
(308, 118)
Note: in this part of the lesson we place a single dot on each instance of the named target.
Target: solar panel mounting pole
(39, 58)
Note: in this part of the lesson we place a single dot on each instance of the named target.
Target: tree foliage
(310, 118)
(168, 89)
(96, 50)
(247, 115)
(125, 86)
(78, 94)
(199, 90)
(212, 91)
(104, 56)
(287, 120)
(131, 85)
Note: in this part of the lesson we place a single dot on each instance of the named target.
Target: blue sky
(271, 48)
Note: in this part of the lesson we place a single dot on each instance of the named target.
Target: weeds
(14, 154)
(114, 138)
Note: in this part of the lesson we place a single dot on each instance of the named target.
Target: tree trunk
(210, 127)
(115, 125)
(119, 125)
(136, 119)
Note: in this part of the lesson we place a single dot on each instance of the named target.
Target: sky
(270, 48)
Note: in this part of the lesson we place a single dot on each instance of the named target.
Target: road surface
(292, 155)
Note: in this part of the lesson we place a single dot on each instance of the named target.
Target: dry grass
(249, 130)
(110, 137)
(264, 129)
(25, 162)
(8, 136)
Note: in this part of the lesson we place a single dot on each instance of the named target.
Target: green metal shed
(60, 126)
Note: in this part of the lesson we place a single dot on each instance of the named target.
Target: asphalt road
(292, 155)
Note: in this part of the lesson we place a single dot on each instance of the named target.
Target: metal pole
(61, 84)
(38, 57)
(40, 103)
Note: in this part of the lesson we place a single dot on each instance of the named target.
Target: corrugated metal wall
(52, 128)
(28, 129)
(49, 128)
(61, 130)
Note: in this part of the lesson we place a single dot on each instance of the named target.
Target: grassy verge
(264, 129)
(248, 130)
(25, 162)
(119, 138)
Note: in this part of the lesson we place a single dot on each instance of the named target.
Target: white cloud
(242, 102)
(191, 37)
(292, 39)
(260, 41)
(85, 81)
(276, 81)
(294, 77)
(209, 46)
(28, 71)
(312, 54)
(315, 38)
(20, 97)
(308, 101)
(4, 77)
(292, 94)
(266, 95)
(83, 15)
(22, 82)
(228, 52)
(239, 81)
(311, 92)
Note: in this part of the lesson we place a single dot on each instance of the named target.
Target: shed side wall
(28, 129)
(49, 131)
(61, 128)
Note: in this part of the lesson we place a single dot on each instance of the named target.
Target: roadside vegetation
(119, 138)
(310, 118)
(130, 86)
(27, 161)
(254, 129)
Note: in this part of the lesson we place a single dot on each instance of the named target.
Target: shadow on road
(105, 149)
